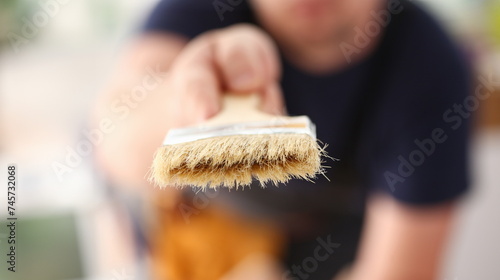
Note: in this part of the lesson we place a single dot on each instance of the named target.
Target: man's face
(312, 20)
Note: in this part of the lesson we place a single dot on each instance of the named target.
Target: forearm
(402, 242)
(133, 104)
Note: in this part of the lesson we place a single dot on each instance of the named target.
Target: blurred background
(68, 226)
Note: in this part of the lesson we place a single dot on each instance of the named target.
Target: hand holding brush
(241, 142)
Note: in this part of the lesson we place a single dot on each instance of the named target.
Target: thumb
(241, 65)
(246, 58)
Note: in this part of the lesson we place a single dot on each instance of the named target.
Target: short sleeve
(190, 18)
(417, 148)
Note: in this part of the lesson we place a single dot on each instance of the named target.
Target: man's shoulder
(423, 41)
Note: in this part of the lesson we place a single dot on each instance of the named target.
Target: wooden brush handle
(239, 108)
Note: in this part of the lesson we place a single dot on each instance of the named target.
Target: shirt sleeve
(190, 18)
(418, 149)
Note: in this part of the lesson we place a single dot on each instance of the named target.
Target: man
(377, 77)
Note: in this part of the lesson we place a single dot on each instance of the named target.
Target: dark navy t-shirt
(390, 120)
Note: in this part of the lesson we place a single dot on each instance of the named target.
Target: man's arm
(402, 242)
(143, 104)
(138, 125)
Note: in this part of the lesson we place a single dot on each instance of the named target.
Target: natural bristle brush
(236, 146)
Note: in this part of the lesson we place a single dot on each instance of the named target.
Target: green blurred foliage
(493, 13)
(47, 248)
(11, 14)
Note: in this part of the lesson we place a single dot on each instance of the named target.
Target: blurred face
(312, 21)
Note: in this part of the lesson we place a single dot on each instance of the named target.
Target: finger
(270, 55)
(272, 100)
(201, 93)
(240, 64)
(195, 82)
(246, 61)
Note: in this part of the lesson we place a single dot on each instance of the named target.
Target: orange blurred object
(208, 246)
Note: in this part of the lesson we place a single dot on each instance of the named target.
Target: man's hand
(240, 59)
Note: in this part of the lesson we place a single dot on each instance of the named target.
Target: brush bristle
(234, 161)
